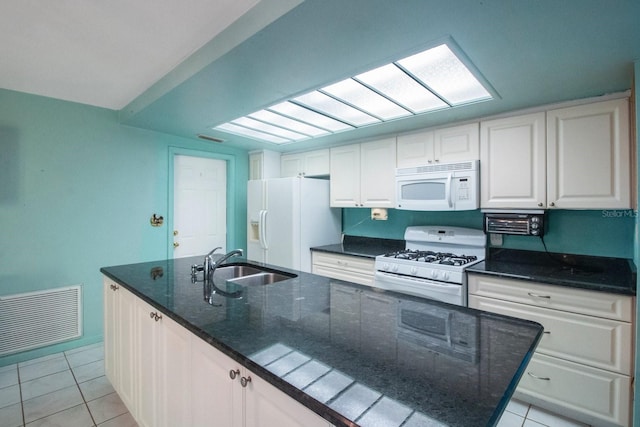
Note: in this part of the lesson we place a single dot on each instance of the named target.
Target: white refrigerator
(288, 216)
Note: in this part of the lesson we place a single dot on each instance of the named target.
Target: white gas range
(432, 263)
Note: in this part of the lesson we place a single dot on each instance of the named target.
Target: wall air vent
(210, 138)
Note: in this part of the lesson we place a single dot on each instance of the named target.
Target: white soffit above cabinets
(435, 79)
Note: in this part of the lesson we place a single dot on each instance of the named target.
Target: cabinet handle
(155, 316)
(531, 294)
(245, 380)
(538, 378)
(234, 373)
(547, 332)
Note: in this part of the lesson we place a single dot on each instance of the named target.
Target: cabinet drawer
(349, 276)
(595, 341)
(592, 303)
(598, 397)
(344, 262)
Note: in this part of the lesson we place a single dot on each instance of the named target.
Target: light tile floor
(521, 414)
(70, 389)
(66, 389)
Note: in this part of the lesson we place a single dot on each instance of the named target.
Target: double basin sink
(249, 275)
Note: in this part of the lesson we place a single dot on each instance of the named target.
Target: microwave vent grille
(438, 167)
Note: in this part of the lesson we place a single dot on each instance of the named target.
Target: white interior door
(199, 205)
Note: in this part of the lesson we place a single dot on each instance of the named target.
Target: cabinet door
(345, 176)
(316, 163)
(513, 162)
(588, 156)
(595, 396)
(266, 406)
(175, 373)
(416, 149)
(291, 165)
(126, 348)
(256, 161)
(110, 322)
(148, 358)
(378, 174)
(216, 398)
(457, 143)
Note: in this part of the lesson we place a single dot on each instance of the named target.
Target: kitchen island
(352, 354)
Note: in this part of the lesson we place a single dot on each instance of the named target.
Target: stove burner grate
(444, 258)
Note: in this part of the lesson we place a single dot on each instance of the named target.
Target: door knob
(175, 244)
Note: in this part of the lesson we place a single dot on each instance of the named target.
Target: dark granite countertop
(616, 275)
(339, 349)
(366, 247)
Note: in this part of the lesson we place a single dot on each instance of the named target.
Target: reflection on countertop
(353, 354)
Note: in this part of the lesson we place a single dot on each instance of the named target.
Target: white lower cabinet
(166, 376)
(119, 340)
(224, 393)
(162, 369)
(583, 365)
(344, 267)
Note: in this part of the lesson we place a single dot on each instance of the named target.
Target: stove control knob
(394, 268)
(434, 274)
(445, 276)
(414, 271)
(385, 266)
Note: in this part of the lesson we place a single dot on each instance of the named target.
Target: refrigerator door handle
(262, 227)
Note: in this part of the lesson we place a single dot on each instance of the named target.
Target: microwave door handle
(448, 190)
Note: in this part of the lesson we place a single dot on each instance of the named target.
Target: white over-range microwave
(439, 187)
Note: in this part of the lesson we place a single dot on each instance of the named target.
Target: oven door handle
(448, 328)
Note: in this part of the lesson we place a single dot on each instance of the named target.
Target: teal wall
(602, 233)
(76, 193)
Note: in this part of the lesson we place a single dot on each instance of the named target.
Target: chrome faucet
(210, 266)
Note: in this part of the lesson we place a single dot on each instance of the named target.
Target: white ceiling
(103, 53)
(184, 67)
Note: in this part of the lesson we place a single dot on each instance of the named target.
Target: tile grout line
(84, 400)
(24, 422)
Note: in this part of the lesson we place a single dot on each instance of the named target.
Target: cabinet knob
(175, 244)
(540, 204)
(234, 373)
(155, 316)
(552, 204)
(113, 287)
(245, 380)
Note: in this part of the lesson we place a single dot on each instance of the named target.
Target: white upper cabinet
(569, 158)
(452, 144)
(513, 162)
(310, 163)
(363, 175)
(264, 164)
(588, 156)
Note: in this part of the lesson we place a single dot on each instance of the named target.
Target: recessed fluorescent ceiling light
(431, 80)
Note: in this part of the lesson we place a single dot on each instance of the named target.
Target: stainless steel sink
(249, 275)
